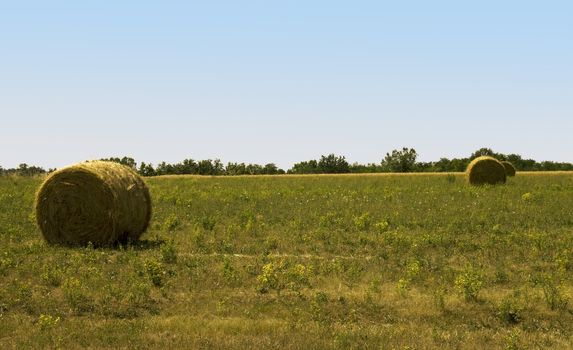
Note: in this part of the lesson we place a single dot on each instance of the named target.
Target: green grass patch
(300, 262)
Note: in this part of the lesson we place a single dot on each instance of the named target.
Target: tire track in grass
(294, 256)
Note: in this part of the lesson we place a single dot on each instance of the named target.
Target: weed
(330, 219)
(171, 223)
(46, 322)
(468, 283)
(382, 226)
(362, 222)
(229, 272)
(270, 279)
(509, 310)
(169, 252)
(563, 261)
(413, 269)
(501, 277)
(75, 294)
(374, 285)
(208, 223)
(527, 197)
(52, 275)
(280, 275)
(155, 272)
(321, 297)
(298, 277)
(271, 243)
(403, 286)
(139, 294)
(222, 306)
(6, 262)
(512, 340)
(318, 309)
(23, 296)
(553, 295)
(439, 298)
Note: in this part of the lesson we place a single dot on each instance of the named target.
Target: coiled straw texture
(99, 202)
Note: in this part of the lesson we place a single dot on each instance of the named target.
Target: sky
(283, 81)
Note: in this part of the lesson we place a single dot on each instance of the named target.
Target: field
(303, 262)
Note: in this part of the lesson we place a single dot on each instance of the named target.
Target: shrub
(468, 283)
(169, 253)
(171, 223)
(75, 294)
(509, 310)
(509, 168)
(155, 272)
(553, 294)
(6, 262)
(46, 322)
(362, 222)
(527, 197)
(270, 278)
(486, 170)
(52, 275)
(281, 275)
(382, 226)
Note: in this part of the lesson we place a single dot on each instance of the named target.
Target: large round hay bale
(486, 170)
(509, 168)
(98, 202)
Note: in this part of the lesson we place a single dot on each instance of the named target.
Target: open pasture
(361, 261)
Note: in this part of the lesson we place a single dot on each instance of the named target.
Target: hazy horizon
(285, 82)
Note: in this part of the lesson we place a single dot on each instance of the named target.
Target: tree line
(24, 170)
(404, 160)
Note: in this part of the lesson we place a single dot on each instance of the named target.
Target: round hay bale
(509, 168)
(486, 170)
(99, 202)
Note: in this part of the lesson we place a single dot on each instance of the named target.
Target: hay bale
(486, 170)
(509, 168)
(99, 202)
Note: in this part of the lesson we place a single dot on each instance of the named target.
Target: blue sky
(270, 81)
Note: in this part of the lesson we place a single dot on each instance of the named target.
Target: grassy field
(303, 262)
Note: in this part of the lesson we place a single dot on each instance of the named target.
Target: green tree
(254, 169)
(307, 167)
(365, 168)
(164, 169)
(332, 164)
(128, 161)
(146, 169)
(271, 169)
(484, 151)
(26, 170)
(235, 169)
(403, 161)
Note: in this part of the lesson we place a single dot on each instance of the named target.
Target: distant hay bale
(98, 202)
(486, 170)
(509, 168)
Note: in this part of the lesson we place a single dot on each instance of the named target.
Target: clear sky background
(283, 81)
